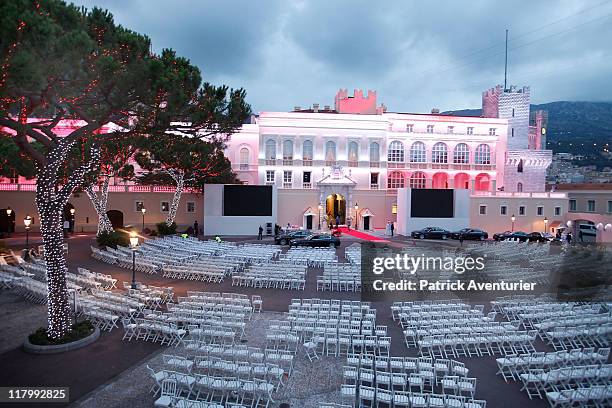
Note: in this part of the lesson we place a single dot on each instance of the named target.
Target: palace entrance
(335, 206)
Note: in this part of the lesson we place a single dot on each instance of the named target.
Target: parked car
(285, 237)
(540, 237)
(520, 235)
(431, 233)
(316, 240)
(470, 233)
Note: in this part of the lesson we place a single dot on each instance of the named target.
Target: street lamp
(513, 218)
(72, 211)
(27, 221)
(144, 211)
(134, 246)
(320, 209)
(9, 211)
(356, 216)
(545, 224)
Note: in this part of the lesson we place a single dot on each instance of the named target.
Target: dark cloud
(418, 55)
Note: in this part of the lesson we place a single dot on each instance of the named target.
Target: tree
(116, 154)
(62, 62)
(182, 161)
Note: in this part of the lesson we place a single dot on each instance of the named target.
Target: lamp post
(9, 211)
(72, 211)
(356, 216)
(513, 218)
(545, 224)
(144, 211)
(27, 221)
(320, 208)
(134, 246)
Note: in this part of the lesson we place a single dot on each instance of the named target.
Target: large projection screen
(431, 203)
(241, 200)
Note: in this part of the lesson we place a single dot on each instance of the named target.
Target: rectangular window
(470, 130)
(451, 129)
(410, 128)
(610, 206)
(430, 128)
(190, 206)
(374, 181)
(540, 210)
(482, 210)
(269, 176)
(512, 132)
(165, 206)
(521, 210)
(557, 211)
(572, 205)
(491, 131)
(139, 205)
(287, 176)
(503, 210)
(591, 205)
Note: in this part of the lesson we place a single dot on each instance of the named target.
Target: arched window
(482, 154)
(461, 155)
(395, 180)
(288, 150)
(396, 152)
(417, 180)
(439, 153)
(374, 152)
(244, 158)
(418, 153)
(307, 151)
(519, 187)
(353, 153)
(330, 152)
(270, 149)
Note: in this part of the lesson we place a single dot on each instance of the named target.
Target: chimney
(297, 108)
(315, 107)
(435, 110)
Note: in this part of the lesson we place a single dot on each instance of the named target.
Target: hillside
(579, 122)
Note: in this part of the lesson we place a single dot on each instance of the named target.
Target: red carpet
(361, 235)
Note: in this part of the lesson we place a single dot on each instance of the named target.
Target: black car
(519, 235)
(470, 233)
(286, 237)
(316, 240)
(539, 237)
(431, 233)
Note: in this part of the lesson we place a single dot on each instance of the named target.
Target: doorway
(116, 218)
(309, 222)
(366, 222)
(335, 209)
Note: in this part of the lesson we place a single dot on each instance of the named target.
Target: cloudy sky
(416, 54)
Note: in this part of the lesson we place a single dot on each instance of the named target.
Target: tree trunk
(99, 203)
(176, 199)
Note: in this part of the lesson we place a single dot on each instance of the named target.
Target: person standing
(196, 228)
(569, 238)
(337, 221)
(392, 228)
(260, 235)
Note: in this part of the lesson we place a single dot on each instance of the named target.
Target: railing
(270, 162)
(287, 185)
(353, 163)
(307, 186)
(287, 162)
(396, 165)
(244, 167)
(123, 188)
(307, 162)
(374, 186)
(330, 162)
(518, 194)
(374, 164)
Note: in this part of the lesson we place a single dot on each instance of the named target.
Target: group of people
(390, 228)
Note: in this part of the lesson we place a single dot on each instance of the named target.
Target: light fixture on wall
(144, 211)
(394, 208)
(545, 224)
(513, 218)
(356, 216)
(27, 221)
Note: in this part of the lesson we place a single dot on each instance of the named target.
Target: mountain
(583, 122)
